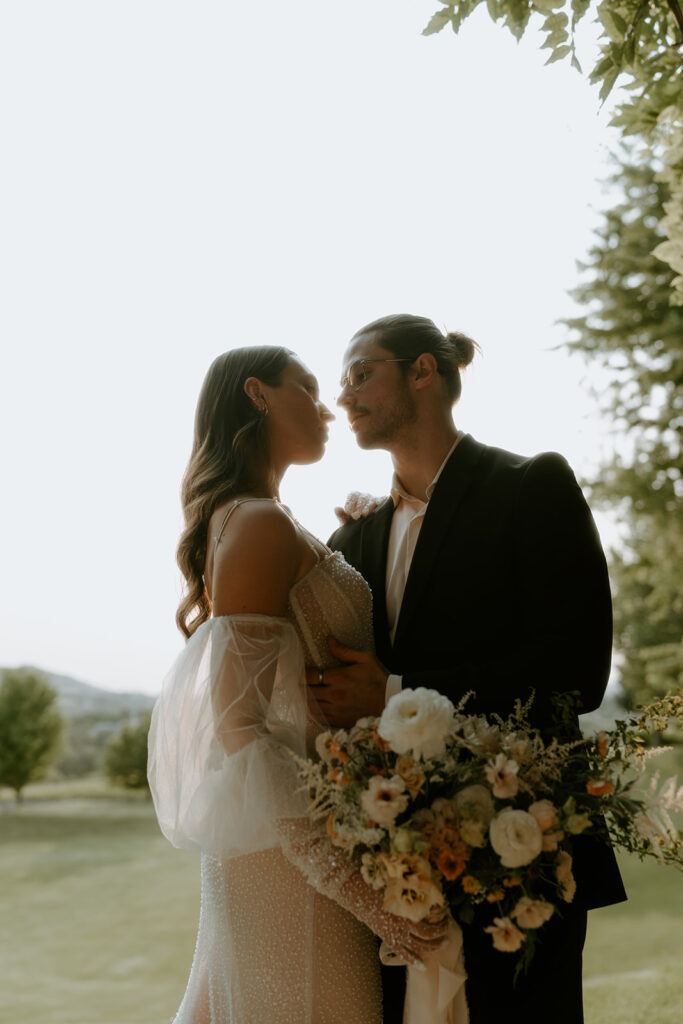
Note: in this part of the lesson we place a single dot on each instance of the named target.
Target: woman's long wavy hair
(229, 457)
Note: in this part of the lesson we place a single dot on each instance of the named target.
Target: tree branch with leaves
(641, 47)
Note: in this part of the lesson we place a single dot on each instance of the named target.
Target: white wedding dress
(270, 949)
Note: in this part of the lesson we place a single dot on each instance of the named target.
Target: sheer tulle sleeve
(231, 710)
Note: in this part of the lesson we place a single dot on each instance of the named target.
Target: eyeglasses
(358, 375)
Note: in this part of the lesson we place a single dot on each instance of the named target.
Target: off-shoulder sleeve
(231, 711)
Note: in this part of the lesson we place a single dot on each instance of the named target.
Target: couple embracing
(482, 571)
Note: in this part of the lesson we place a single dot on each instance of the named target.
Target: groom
(487, 574)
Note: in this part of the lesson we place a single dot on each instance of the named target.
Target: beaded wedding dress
(270, 948)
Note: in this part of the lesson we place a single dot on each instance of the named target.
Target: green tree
(640, 46)
(629, 327)
(125, 759)
(30, 728)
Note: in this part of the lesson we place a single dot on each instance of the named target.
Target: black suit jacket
(507, 592)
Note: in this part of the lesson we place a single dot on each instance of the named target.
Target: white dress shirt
(406, 524)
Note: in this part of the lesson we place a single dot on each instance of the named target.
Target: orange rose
(449, 866)
(599, 787)
(470, 883)
(337, 775)
(511, 882)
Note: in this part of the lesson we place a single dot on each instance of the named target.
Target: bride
(286, 924)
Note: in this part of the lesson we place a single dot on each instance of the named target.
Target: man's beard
(388, 421)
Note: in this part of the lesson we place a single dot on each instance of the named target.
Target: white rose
(516, 837)
(417, 721)
(475, 803)
(384, 799)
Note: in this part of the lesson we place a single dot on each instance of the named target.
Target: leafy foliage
(630, 327)
(30, 728)
(640, 47)
(85, 742)
(125, 759)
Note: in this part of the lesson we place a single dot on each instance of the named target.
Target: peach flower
(506, 937)
(502, 774)
(551, 840)
(532, 913)
(545, 814)
(384, 799)
(408, 770)
(564, 875)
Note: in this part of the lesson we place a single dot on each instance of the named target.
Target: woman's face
(297, 419)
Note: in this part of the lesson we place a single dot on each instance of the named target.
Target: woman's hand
(409, 941)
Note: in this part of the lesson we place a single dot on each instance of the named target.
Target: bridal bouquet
(439, 807)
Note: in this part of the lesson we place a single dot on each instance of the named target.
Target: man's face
(382, 408)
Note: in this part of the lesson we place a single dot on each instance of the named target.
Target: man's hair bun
(463, 346)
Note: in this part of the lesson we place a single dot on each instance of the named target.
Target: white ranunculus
(417, 721)
(516, 837)
(475, 802)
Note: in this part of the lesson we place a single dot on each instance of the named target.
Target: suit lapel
(374, 544)
(455, 480)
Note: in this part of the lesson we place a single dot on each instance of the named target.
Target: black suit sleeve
(565, 612)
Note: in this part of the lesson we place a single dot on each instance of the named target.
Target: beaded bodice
(332, 599)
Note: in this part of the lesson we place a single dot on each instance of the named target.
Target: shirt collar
(398, 492)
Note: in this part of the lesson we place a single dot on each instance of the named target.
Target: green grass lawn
(98, 915)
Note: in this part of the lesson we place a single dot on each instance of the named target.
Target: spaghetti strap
(230, 511)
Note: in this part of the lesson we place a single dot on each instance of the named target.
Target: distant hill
(77, 698)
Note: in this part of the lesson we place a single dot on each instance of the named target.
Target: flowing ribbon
(435, 995)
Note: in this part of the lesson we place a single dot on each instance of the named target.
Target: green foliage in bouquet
(479, 813)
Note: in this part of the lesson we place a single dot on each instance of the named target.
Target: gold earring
(264, 410)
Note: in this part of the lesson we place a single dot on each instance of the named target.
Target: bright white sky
(182, 178)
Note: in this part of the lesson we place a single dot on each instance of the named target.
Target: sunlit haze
(180, 179)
